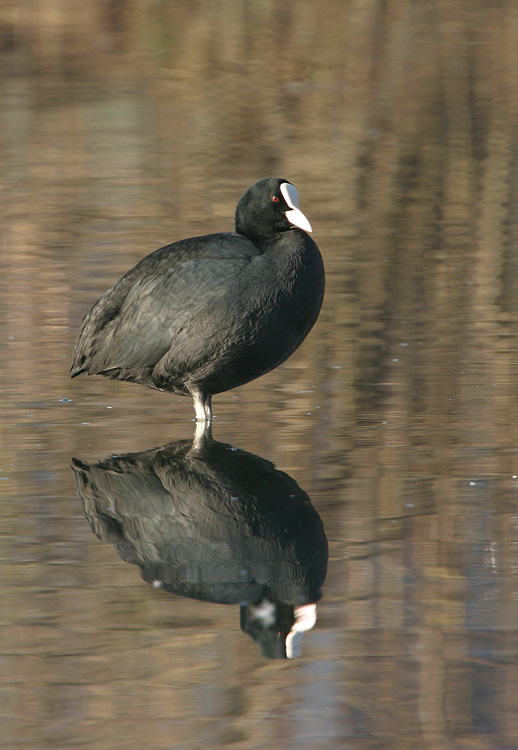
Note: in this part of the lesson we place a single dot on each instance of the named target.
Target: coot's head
(269, 206)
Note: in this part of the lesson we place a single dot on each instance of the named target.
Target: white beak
(294, 215)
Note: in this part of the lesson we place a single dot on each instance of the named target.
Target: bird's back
(183, 295)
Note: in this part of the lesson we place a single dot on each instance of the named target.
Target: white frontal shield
(294, 215)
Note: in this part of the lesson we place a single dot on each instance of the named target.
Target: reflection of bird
(210, 313)
(211, 522)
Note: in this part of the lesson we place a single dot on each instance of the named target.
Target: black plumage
(205, 520)
(207, 314)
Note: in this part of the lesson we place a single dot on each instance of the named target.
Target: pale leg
(202, 405)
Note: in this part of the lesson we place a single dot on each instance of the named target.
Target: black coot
(210, 313)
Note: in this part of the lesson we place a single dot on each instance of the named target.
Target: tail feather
(77, 371)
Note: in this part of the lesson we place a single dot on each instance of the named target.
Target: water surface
(125, 127)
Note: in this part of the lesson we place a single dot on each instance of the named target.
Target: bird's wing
(135, 322)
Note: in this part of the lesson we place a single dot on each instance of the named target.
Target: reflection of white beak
(305, 619)
(295, 215)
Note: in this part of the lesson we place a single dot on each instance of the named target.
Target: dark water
(126, 126)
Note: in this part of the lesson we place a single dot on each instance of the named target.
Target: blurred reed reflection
(127, 125)
(208, 521)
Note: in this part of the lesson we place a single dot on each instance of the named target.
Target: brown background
(124, 126)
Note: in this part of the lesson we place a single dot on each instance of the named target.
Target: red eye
(275, 199)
